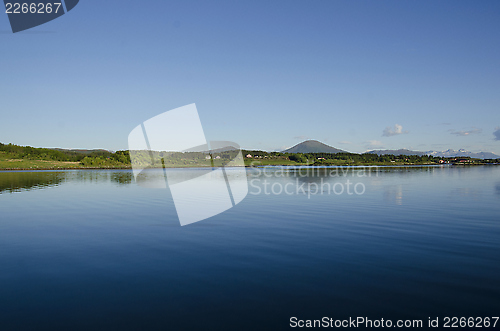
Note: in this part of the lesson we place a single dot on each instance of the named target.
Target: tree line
(365, 158)
(97, 158)
(88, 158)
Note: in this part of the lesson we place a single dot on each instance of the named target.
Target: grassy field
(7, 163)
(11, 162)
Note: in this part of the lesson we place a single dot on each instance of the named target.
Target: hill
(313, 146)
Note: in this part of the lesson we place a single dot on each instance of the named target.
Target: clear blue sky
(265, 74)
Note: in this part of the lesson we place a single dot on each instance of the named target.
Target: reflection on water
(97, 253)
(95, 176)
(18, 181)
(467, 192)
(385, 177)
(394, 193)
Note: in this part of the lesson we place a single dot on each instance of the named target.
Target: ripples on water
(91, 249)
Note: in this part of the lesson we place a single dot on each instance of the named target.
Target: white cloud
(370, 145)
(389, 132)
(374, 143)
(496, 133)
(466, 133)
(345, 142)
(301, 137)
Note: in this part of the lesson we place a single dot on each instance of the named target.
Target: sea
(320, 247)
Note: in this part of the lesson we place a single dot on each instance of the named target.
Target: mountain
(447, 153)
(396, 152)
(463, 152)
(313, 146)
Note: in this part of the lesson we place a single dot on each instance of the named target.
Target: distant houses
(250, 156)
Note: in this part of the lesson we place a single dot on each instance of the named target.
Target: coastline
(312, 166)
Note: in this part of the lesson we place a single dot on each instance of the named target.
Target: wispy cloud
(301, 137)
(496, 133)
(374, 143)
(396, 130)
(370, 145)
(345, 142)
(466, 133)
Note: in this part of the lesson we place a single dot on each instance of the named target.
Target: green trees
(102, 158)
(90, 158)
(102, 161)
(122, 157)
(298, 157)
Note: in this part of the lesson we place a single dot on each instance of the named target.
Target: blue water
(84, 250)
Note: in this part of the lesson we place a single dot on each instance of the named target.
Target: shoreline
(261, 166)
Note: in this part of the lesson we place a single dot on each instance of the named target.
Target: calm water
(92, 250)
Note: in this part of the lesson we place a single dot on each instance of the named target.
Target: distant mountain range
(463, 152)
(447, 153)
(396, 152)
(314, 146)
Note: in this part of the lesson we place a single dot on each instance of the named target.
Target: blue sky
(265, 74)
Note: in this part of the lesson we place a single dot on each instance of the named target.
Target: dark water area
(84, 250)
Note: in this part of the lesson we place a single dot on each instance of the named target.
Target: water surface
(92, 250)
